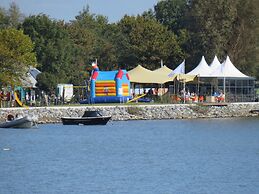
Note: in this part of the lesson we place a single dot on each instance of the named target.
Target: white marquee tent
(215, 64)
(216, 69)
(237, 86)
(227, 69)
(202, 70)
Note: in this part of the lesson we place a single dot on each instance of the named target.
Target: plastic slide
(18, 101)
(134, 99)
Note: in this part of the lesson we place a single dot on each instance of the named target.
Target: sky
(68, 9)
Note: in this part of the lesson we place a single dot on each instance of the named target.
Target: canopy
(158, 76)
(202, 70)
(215, 64)
(185, 78)
(164, 70)
(227, 69)
(142, 75)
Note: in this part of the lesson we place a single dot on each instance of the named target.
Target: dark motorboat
(254, 111)
(89, 118)
(19, 122)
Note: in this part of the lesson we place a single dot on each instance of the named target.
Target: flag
(181, 68)
(171, 74)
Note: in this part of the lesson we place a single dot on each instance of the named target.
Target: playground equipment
(136, 98)
(109, 86)
(18, 101)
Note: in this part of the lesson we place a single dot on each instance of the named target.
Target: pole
(184, 92)
(224, 88)
(161, 86)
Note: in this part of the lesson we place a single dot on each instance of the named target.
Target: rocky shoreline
(139, 112)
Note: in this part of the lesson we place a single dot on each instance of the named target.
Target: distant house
(28, 85)
(29, 81)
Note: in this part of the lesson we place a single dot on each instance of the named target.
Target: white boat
(22, 122)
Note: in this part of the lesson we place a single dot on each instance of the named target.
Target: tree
(14, 15)
(211, 27)
(92, 36)
(224, 27)
(243, 42)
(11, 17)
(148, 42)
(171, 13)
(53, 46)
(16, 55)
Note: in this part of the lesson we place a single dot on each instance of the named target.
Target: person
(221, 97)
(10, 117)
(150, 91)
(27, 98)
(201, 98)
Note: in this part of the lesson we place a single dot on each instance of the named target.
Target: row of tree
(174, 30)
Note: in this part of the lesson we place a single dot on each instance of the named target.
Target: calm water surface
(160, 157)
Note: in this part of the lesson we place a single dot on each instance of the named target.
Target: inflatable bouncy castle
(109, 86)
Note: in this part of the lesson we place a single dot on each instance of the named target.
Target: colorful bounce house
(109, 86)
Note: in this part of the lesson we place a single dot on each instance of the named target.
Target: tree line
(172, 31)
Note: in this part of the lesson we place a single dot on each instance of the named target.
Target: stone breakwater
(138, 112)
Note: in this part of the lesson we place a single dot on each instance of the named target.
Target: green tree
(243, 42)
(171, 13)
(92, 36)
(148, 42)
(11, 17)
(211, 27)
(223, 27)
(53, 46)
(16, 55)
(3, 18)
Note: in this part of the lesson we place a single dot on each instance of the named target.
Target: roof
(29, 81)
(203, 69)
(159, 76)
(142, 75)
(227, 69)
(216, 69)
(164, 69)
(215, 64)
(34, 72)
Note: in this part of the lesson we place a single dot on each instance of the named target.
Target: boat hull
(85, 120)
(24, 122)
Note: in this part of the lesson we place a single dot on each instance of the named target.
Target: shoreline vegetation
(120, 112)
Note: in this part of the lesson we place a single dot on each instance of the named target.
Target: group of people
(219, 97)
(186, 96)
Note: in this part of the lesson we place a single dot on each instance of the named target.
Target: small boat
(89, 118)
(254, 111)
(19, 122)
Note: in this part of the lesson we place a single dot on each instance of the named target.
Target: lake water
(145, 157)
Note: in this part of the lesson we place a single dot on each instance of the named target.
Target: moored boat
(89, 118)
(21, 122)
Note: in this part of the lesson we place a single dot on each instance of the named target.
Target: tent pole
(184, 92)
(224, 88)
(198, 86)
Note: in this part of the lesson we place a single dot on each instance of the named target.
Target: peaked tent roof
(159, 76)
(227, 69)
(203, 69)
(164, 69)
(180, 68)
(142, 75)
(215, 64)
